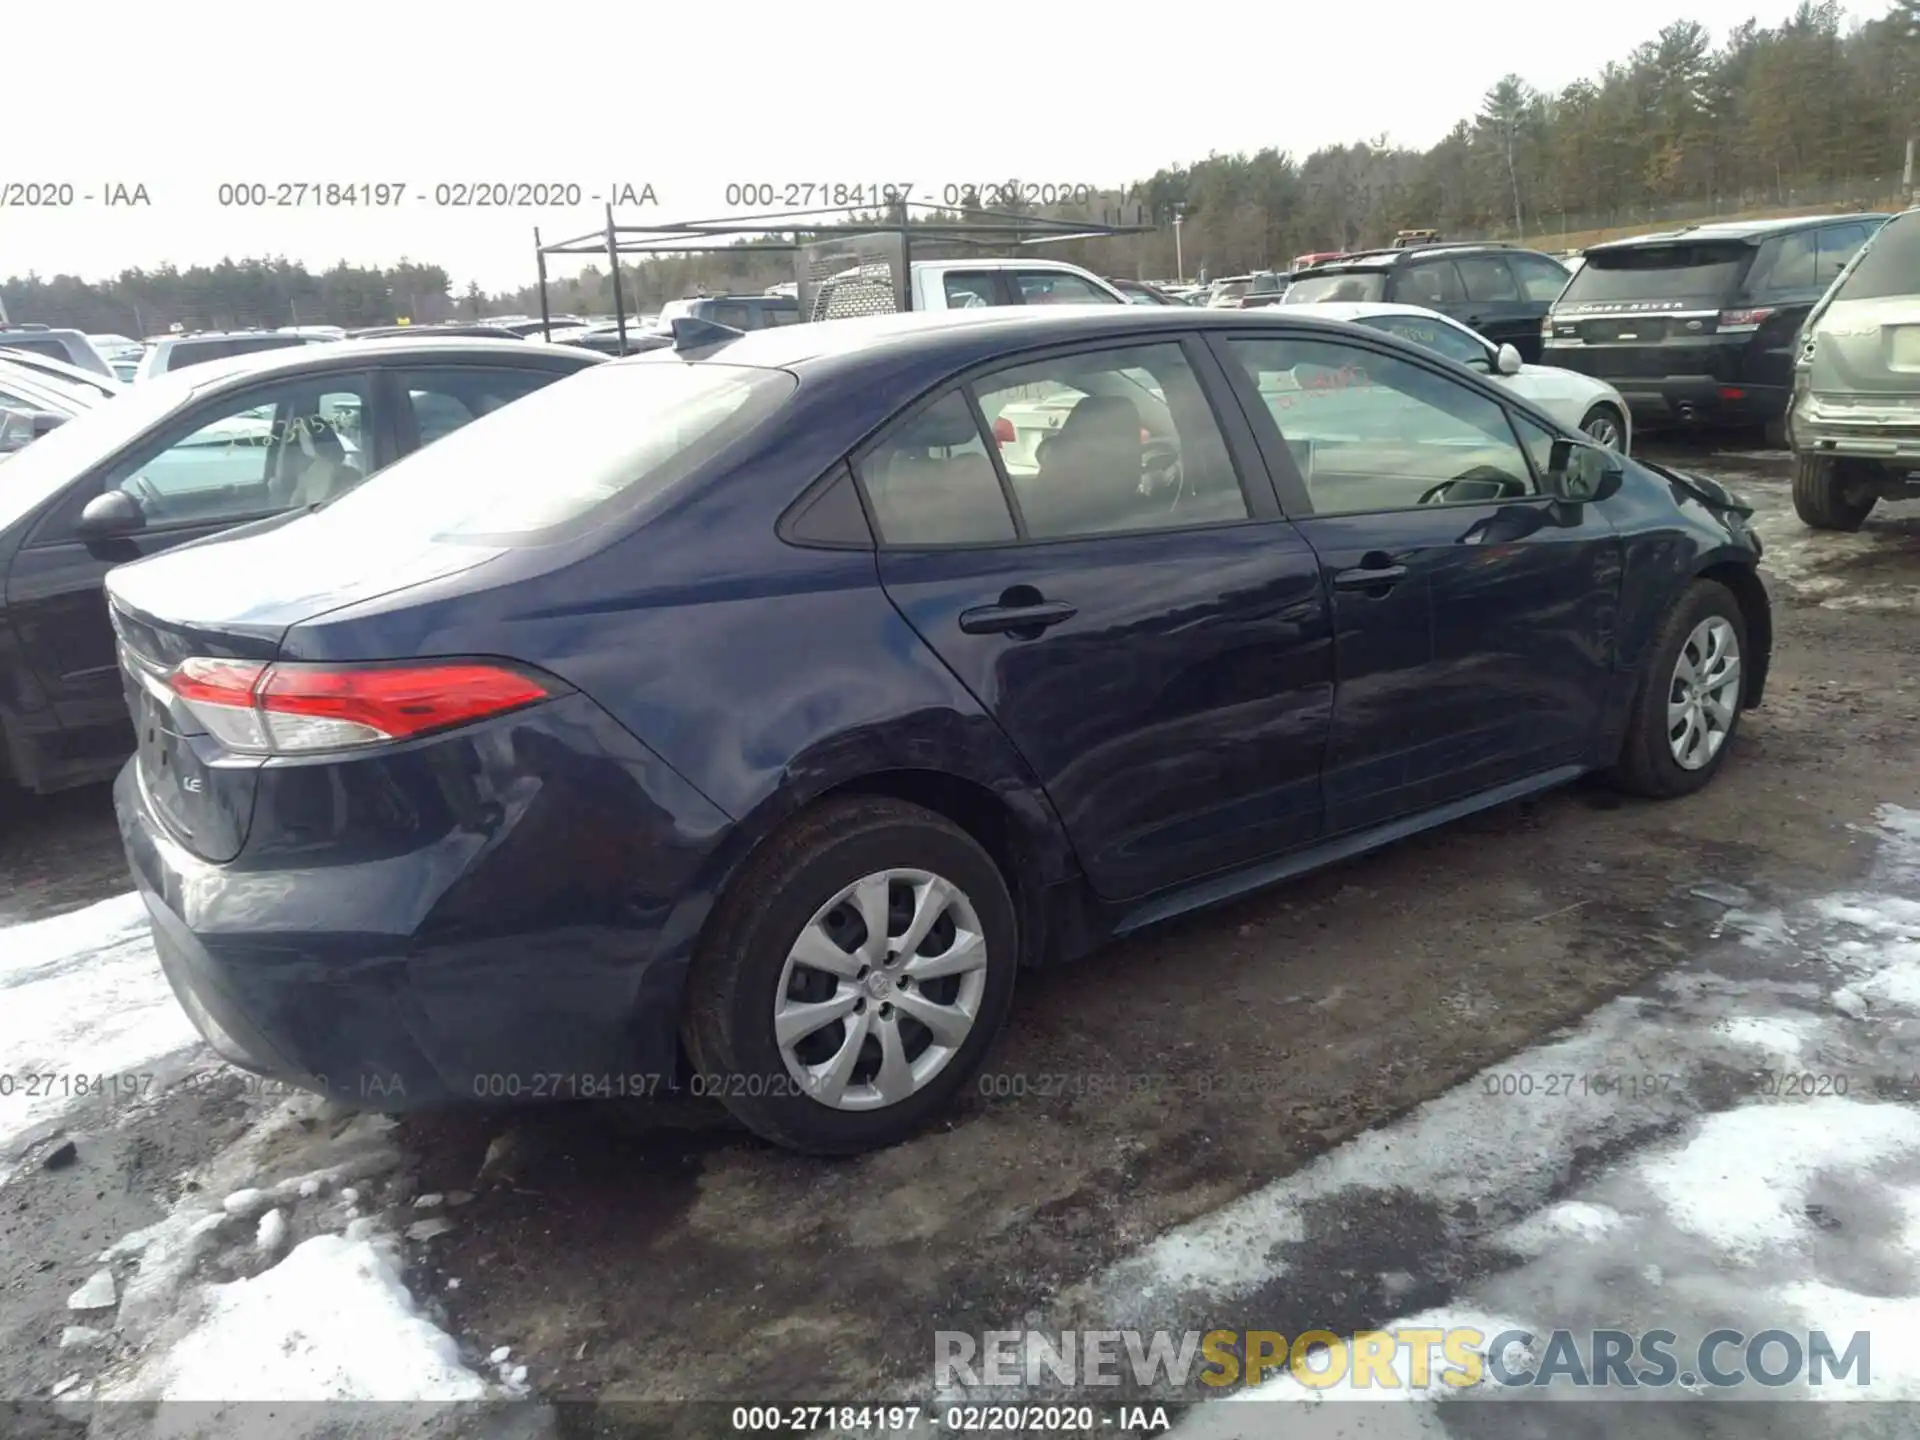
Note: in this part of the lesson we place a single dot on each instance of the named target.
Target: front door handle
(1382, 577)
(1014, 619)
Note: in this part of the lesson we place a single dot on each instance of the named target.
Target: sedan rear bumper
(507, 922)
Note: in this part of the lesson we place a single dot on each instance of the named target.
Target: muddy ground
(631, 1252)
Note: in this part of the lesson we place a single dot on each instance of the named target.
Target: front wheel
(1691, 691)
(1604, 426)
(853, 978)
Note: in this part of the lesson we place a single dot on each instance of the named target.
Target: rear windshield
(1364, 285)
(198, 352)
(548, 466)
(1700, 271)
(1889, 265)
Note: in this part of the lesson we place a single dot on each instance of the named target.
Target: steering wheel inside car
(1477, 486)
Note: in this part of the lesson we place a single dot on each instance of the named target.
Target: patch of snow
(245, 1204)
(431, 1201)
(500, 1354)
(271, 1234)
(427, 1229)
(331, 1322)
(1557, 1224)
(83, 1337)
(1740, 1181)
(99, 1293)
(81, 994)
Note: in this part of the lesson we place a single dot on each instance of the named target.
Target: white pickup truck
(964, 285)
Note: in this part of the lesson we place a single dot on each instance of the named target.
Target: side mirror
(110, 516)
(1578, 473)
(1508, 361)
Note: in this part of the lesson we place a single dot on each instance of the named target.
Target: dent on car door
(1125, 601)
(1473, 616)
(242, 457)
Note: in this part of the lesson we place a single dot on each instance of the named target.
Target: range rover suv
(1696, 326)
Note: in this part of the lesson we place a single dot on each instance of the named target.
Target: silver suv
(71, 346)
(176, 352)
(1854, 416)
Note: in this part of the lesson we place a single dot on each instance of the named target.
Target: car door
(242, 456)
(1473, 616)
(1495, 304)
(1125, 601)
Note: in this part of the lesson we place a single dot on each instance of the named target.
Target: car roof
(294, 359)
(1364, 309)
(923, 334)
(1755, 230)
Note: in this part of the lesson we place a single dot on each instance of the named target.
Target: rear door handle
(1002, 619)
(1381, 578)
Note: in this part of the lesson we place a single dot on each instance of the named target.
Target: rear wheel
(1604, 426)
(853, 978)
(1689, 698)
(1833, 494)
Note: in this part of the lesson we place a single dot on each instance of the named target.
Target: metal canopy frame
(787, 232)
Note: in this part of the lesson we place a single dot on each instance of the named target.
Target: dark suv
(1500, 290)
(1696, 326)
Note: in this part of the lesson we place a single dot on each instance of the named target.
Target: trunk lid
(236, 596)
(1647, 311)
(1867, 351)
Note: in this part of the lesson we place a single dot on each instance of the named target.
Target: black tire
(1829, 494)
(1603, 411)
(727, 1024)
(1646, 765)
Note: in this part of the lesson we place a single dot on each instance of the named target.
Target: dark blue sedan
(742, 716)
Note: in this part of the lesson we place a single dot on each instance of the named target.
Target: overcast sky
(192, 94)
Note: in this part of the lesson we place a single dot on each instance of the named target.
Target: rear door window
(1707, 271)
(1054, 287)
(1486, 277)
(970, 289)
(1360, 285)
(1430, 282)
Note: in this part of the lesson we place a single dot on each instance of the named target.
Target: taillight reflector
(292, 708)
(1743, 319)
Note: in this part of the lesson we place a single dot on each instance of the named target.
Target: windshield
(1701, 271)
(543, 467)
(43, 469)
(1889, 265)
(1360, 285)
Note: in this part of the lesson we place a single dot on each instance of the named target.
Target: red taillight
(1145, 435)
(1732, 392)
(295, 708)
(1742, 319)
(1003, 431)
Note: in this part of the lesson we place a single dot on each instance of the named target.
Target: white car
(1576, 400)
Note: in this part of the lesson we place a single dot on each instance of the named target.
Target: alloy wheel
(880, 989)
(1604, 430)
(1703, 695)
